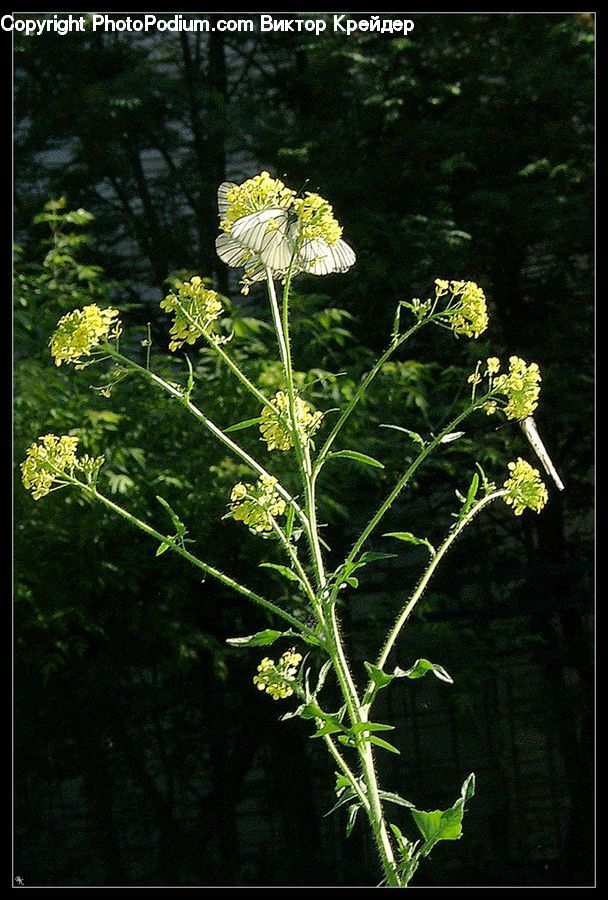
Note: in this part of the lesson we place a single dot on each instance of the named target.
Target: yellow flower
(525, 488)
(469, 315)
(50, 463)
(80, 331)
(275, 426)
(195, 309)
(255, 194)
(493, 365)
(274, 678)
(257, 504)
(316, 221)
(521, 387)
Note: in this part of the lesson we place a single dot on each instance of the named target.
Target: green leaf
(261, 639)
(328, 728)
(420, 668)
(370, 726)
(373, 556)
(380, 742)
(378, 676)
(351, 818)
(391, 797)
(162, 548)
(410, 538)
(446, 824)
(246, 423)
(472, 493)
(358, 457)
(177, 522)
(417, 438)
(285, 571)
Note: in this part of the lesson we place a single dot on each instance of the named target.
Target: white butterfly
(272, 236)
(531, 432)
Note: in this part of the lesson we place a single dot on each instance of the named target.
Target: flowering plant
(274, 236)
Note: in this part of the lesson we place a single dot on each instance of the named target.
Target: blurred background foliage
(143, 755)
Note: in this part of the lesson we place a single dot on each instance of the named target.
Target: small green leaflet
(443, 824)
(261, 639)
(380, 679)
(417, 438)
(285, 571)
(420, 668)
(246, 423)
(410, 538)
(269, 636)
(358, 457)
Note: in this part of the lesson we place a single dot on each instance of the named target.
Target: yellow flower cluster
(255, 194)
(467, 310)
(255, 504)
(521, 387)
(47, 461)
(316, 220)
(274, 426)
(525, 488)
(80, 331)
(195, 309)
(274, 678)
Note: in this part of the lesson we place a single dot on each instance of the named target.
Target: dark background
(143, 755)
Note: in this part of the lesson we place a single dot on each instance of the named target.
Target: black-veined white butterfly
(531, 432)
(271, 234)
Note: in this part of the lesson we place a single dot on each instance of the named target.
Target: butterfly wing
(321, 258)
(265, 232)
(222, 196)
(529, 429)
(231, 252)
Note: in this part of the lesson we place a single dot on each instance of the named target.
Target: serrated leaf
(285, 571)
(357, 457)
(420, 668)
(246, 423)
(410, 538)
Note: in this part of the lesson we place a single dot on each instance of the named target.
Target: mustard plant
(273, 236)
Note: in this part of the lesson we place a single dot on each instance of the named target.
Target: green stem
(204, 567)
(383, 509)
(365, 383)
(373, 806)
(424, 581)
(178, 394)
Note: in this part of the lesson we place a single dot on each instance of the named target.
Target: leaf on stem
(446, 824)
(285, 571)
(417, 438)
(357, 457)
(246, 423)
(410, 538)
(420, 668)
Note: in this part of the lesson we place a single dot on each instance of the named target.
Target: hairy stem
(424, 581)
(204, 567)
